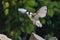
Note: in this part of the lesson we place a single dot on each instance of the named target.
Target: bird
(41, 13)
(4, 37)
(37, 36)
(34, 36)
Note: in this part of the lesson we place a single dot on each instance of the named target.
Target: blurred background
(16, 25)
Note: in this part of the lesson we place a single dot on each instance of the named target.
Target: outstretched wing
(37, 37)
(4, 37)
(41, 12)
(25, 11)
(22, 10)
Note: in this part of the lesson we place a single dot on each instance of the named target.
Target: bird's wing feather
(41, 12)
(25, 11)
(22, 10)
(37, 37)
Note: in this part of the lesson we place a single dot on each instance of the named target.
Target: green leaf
(30, 8)
(50, 12)
(43, 21)
(6, 11)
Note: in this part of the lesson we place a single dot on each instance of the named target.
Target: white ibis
(4, 37)
(35, 17)
(41, 13)
(38, 37)
(53, 38)
(34, 36)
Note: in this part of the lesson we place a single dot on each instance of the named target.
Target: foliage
(14, 23)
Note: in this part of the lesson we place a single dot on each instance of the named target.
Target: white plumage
(37, 37)
(53, 38)
(4, 37)
(35, 17)
(22, 10)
